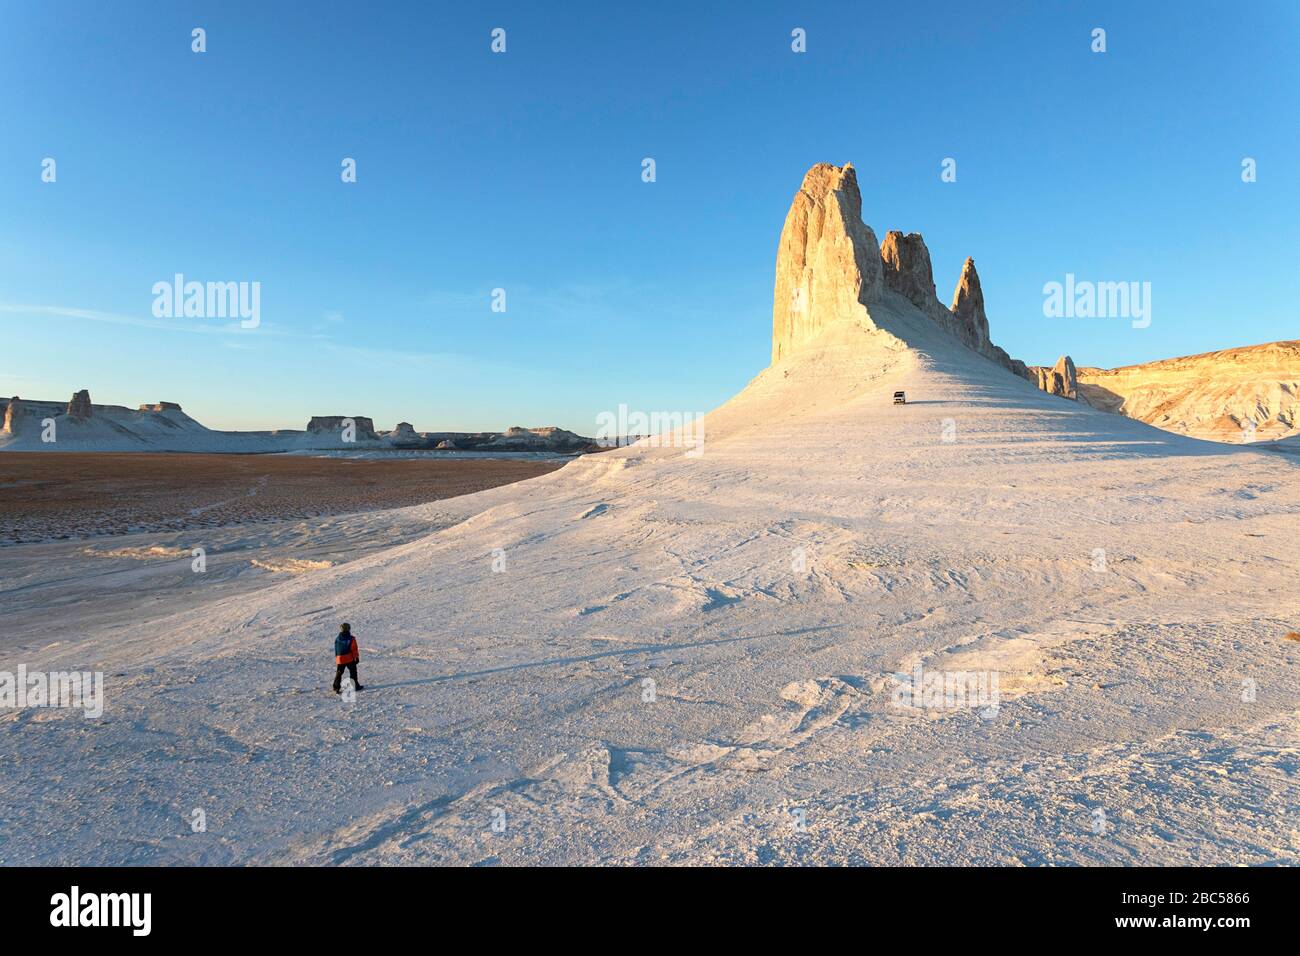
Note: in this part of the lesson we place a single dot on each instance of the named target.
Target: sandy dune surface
(650, 657)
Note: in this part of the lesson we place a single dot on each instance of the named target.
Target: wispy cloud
(163, 325)
(367, 355)
(576, 303)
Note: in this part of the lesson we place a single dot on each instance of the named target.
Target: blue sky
(523, 171)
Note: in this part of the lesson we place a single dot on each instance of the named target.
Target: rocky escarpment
(829, 272)
(549, 438)
(1251, 393)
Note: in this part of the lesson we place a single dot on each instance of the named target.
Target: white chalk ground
(1122, 736)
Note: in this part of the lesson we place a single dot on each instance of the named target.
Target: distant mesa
(550, 438)
(164, 426)
(325, 424)
(405, 436)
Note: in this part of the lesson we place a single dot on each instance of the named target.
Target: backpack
(342, 645)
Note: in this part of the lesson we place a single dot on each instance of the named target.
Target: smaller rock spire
(968, 307)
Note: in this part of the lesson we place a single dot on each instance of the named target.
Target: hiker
(346, 655)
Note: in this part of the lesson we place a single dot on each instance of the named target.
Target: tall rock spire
(968, 307)
(827, 264)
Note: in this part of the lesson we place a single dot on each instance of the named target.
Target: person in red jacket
(346, 655)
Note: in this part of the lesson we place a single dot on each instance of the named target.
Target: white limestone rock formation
(827, 263)
(829, 273)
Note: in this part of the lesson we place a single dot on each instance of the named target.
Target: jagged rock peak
(968, 307)
(79, 405)
(1061, 379)
(827, 263)
(907, 268)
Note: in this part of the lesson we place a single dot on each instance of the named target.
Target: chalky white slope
(1123, 734)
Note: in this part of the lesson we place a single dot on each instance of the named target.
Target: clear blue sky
(523, 171)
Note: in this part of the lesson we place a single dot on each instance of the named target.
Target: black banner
(298, 905)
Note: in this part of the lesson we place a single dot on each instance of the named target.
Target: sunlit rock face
(1060, 379)
(828, 264)
(1250, 393)
(13, 416)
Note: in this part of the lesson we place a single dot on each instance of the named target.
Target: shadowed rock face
(968, 307)
(79, 406)
(827, 264)
(907, 268)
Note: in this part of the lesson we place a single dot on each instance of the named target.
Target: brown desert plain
(46, 496)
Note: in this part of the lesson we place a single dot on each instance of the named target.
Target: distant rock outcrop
(549, 438)
(404, 435)
(79, 405)
(163, 426)
(322, 424)
(1061, 379)
(13, 416)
